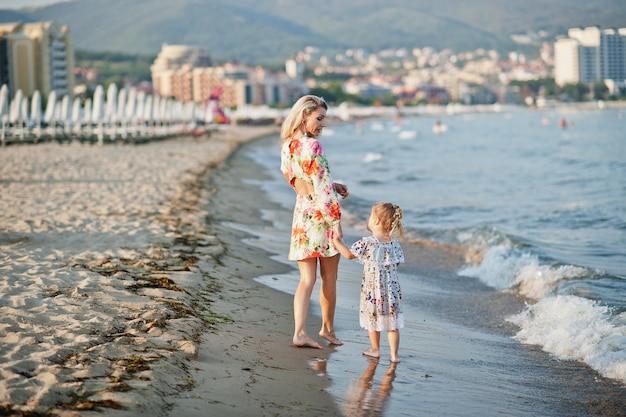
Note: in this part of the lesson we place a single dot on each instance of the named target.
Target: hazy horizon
(20, 4)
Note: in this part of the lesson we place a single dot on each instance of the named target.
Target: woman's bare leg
(328, 298)
(301, 300)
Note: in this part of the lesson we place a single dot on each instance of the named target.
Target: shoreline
(114, 283)
(457, 353)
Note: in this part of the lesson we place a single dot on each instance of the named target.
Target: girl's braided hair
(391, 217)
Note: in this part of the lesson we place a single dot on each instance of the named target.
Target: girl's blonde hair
(390, 216)
(301, 108)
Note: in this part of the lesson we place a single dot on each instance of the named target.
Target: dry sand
(119, 296)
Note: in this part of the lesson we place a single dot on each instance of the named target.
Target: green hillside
(262, 31)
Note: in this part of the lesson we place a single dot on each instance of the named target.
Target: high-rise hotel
(36, 56)
(590, 55)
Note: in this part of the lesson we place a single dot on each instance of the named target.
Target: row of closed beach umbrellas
(117, 114)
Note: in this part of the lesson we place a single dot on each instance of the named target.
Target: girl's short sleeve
(398, 254)
(360, 249)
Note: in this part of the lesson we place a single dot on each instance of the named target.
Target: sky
(19, 4)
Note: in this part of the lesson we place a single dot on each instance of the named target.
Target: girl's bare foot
(331, 338)
(395, 360)
(372, 353)
(306, 341)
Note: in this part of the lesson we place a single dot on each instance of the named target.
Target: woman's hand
(341, 189)
(337, 232)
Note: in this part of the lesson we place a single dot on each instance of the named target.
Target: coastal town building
(171, 70)
(427, 75)
(295, 68)
(187, 74)
(36, 57)
(590, 55)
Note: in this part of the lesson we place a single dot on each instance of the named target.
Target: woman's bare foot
(395, 360)
(372, 353)
(306, 341)
(331, 338)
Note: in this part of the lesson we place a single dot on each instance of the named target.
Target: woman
(317, 211)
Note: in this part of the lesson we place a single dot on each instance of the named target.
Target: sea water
(537, 196)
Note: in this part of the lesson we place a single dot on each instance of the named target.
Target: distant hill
(262, 31)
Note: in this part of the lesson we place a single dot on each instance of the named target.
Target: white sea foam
(372, 156)
(499, 267)
(575, 328)
(567, 326)
(407, 134)
(537, 281)
(504, 267)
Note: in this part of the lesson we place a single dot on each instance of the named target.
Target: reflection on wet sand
(364, 398)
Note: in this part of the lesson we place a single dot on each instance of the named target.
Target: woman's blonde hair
(390, 216)
(301, 108)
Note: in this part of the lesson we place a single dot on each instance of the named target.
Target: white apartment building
(295, 68)
(589, 55)
(36, 56)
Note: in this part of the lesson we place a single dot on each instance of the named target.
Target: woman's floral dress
(314, 215)
(380, 289)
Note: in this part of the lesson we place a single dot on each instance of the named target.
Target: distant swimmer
(563, 123)
(439, 128)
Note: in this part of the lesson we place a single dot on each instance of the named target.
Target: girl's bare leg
(374, 352)
(328, 298)
(301, 300)
(394, 344)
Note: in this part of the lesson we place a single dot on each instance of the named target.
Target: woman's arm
(315, 167)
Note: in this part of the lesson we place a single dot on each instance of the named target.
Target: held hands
(341, 189)
(337, 240)
(337, 233)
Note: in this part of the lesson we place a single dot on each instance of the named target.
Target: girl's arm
(341, 247)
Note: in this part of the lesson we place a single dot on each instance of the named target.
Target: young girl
(380, 255)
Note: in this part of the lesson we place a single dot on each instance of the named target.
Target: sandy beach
(118, 295)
